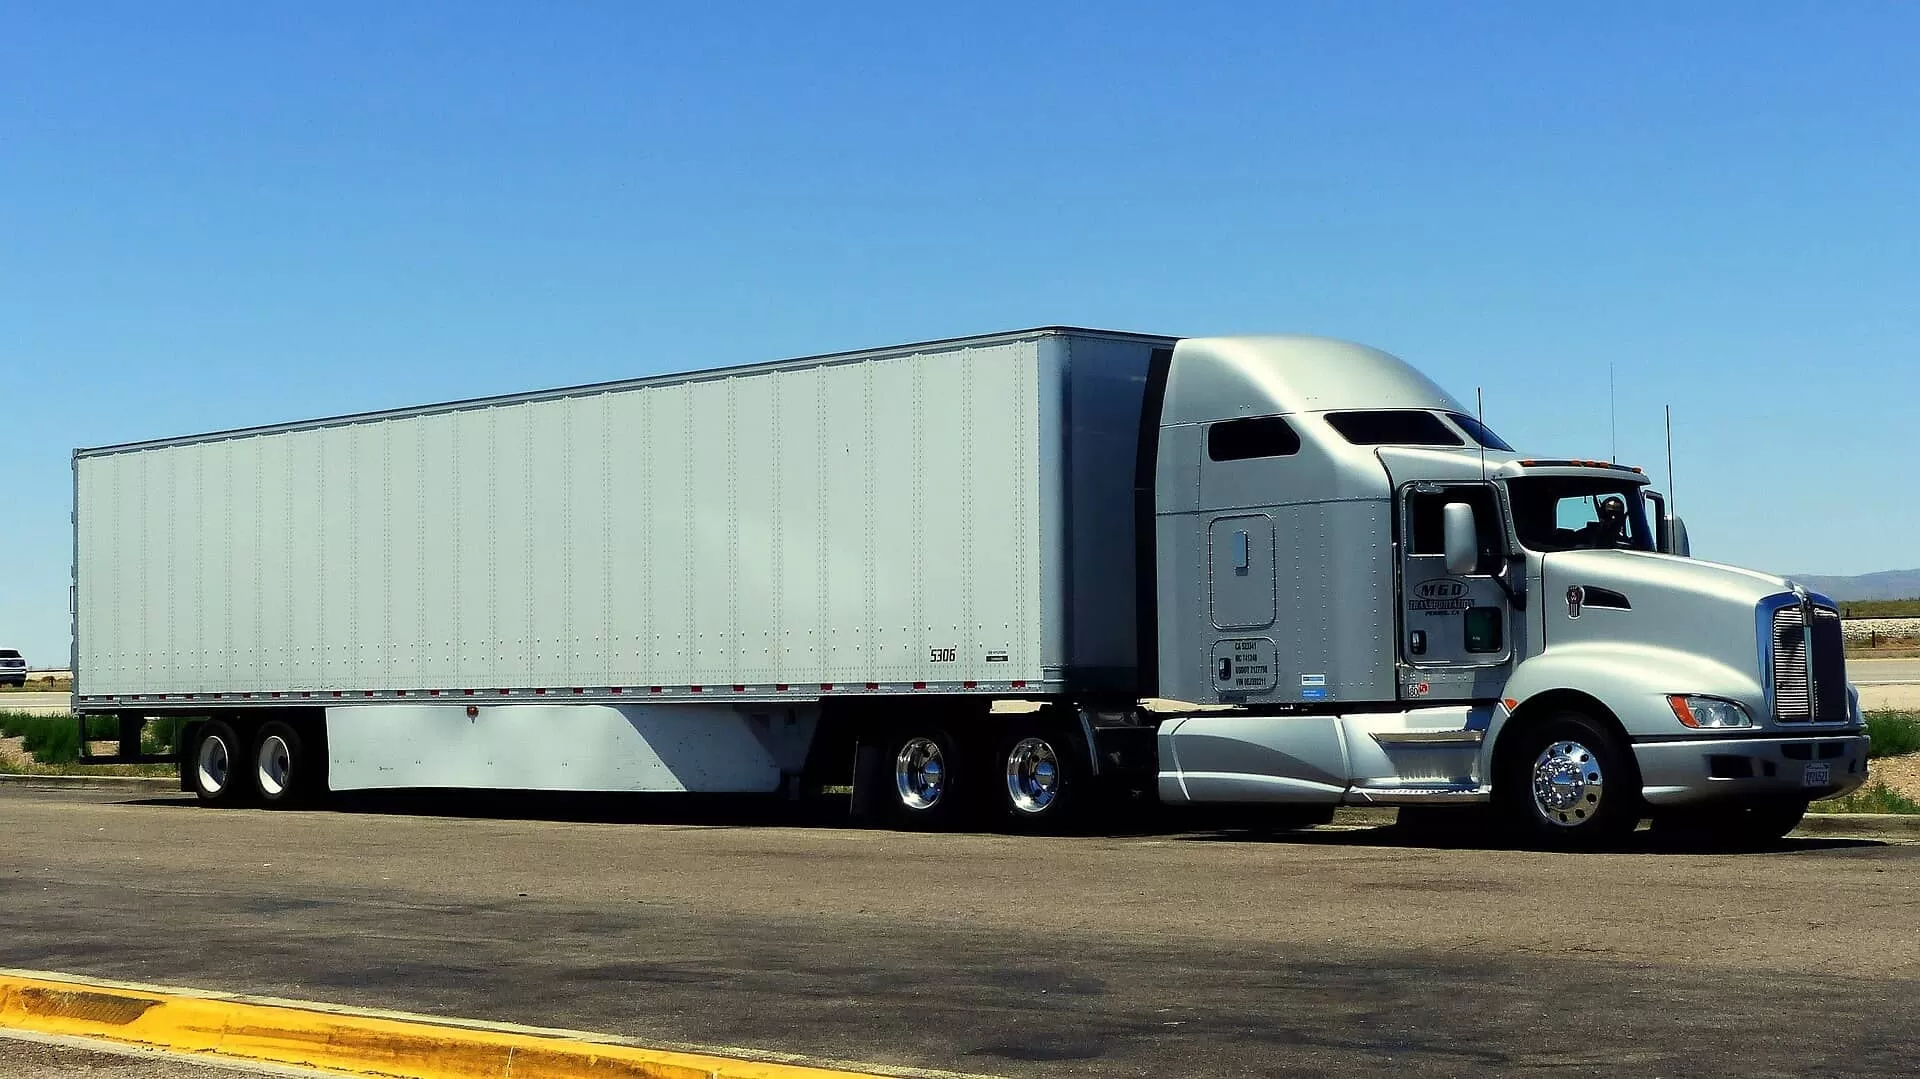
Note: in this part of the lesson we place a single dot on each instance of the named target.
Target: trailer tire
(214, 765)
(282, 770)
(1043, 781)
(924, 782)
(1568, 783)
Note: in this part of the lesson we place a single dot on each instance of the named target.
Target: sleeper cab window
(1393, 427)
(1248, 439)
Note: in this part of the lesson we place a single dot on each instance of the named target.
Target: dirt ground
(1900, 774)
(12, 756)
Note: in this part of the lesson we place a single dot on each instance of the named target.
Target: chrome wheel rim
(213, 765)
(920, 773)
(275, 765)
(1033, 775)
(1567, 784)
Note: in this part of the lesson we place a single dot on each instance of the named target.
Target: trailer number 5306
(943, 655)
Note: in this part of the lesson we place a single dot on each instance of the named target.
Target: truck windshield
(1552, 513)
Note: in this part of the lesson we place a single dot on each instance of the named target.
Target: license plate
(1815, 776)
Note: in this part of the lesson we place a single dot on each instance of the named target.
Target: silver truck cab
(1383, 603)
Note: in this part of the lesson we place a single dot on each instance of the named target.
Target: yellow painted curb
(345, 1042)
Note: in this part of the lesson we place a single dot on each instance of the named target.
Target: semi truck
(1007, 575)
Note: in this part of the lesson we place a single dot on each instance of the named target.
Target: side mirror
(1462, 538)
(1677, 538)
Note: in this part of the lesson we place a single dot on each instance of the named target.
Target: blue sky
(215, 215)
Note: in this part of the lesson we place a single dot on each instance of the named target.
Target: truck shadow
(1489, 839)
(1468, 832)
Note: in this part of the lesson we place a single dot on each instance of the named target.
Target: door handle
(1240, 560)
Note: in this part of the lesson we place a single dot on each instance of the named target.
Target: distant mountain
(1887, 584)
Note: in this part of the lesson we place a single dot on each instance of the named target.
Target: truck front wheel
(1568, 782)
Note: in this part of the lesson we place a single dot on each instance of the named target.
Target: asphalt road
(1883, 671)
(42, 704)
(73, 1059)
(1130, 955)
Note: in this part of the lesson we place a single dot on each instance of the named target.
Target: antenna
(1480, 413)
(1670, 501)
(1613, 422)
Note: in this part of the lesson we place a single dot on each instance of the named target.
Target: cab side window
(1426, 533)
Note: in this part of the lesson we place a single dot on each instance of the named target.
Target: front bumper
(1772, 765)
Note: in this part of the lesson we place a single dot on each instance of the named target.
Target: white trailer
(668, 584)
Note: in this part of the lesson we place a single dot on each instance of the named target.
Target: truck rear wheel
(282, 768)
(1044, 777)
(1568, 783)
(211, 769)
(924, 780)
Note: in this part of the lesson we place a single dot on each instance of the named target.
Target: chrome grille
(1796, 698)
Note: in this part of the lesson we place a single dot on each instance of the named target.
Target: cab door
(1456, 630)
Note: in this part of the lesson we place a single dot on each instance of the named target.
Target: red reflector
(368, 693)
(276, 695)
(504, 692)
(433, 693)
(336, 693)
(540, 691)
(402, 692)
(873, 685)
(468, 692)
(696, 689)
(653, 689)
(577, 689)
(613, 689)
(1019, 685)
(919, 685)
(971, 685)
(781, 688)
(826, 687)
(739, 689)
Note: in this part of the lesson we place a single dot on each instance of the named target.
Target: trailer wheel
(924, 767)
(1569, 783)
(282, 768)
(213, 769)
(1043, 777)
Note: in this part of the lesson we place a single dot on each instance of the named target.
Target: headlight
(1709, 712)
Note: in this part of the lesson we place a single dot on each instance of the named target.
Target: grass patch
(54, 741)
(1892, 734)
(1880, 608)
(1875, 798)
(41, 685)
(35, 768)
(1903, 652)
